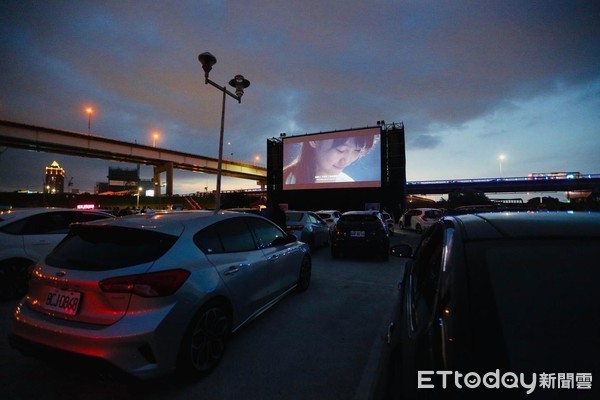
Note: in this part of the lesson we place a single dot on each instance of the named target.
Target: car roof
(528, 224)
(19, 213)
(172, 222)
(370, 212)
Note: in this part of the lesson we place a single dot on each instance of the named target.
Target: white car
(27, 235)
(419, 219)
(329, 216)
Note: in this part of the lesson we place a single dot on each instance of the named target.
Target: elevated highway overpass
(583, 182)
(25, 136)
(29, 137)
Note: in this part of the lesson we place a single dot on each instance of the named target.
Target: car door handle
(231, 271)
(273, 257)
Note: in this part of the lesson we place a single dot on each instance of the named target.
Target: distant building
(124, 181)
(55, 179)
(120, 181)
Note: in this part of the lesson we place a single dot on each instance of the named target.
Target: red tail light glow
(155, 284)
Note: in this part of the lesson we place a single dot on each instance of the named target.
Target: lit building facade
(55, 179)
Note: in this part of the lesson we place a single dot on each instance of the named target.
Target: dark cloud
(313, 65)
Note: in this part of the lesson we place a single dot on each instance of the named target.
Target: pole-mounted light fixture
(207, 60)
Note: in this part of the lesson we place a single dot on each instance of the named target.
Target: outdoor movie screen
(344, 159)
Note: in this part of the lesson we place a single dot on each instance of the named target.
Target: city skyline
(471, 81)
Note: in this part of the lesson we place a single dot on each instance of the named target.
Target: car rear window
(362, 220)
(433, 214)
(99, 248)
(548, 283)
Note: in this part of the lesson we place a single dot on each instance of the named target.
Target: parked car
(329, 216)
(419, 219)
(389, 225)
(496, 293)
(155, 294)
(308, 227)
(360, 231)
(389, 221)
(28, 235)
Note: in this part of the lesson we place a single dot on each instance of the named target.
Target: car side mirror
(401, 250)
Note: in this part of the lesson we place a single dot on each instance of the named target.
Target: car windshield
(548, 283)
(98, 248)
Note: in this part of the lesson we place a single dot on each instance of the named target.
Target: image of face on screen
(332, 156)
(324, 161)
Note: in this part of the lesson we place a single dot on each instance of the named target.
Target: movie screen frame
(341, 159)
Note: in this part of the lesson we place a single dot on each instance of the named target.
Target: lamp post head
(207, 60)
(239, 83)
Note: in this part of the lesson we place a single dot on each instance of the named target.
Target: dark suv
(360, 231)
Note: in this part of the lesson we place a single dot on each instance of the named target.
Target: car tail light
(154, 284)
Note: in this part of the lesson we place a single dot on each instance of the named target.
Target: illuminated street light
(239, 83)
(256, 160)
(89, 113)
(501, 158)
(137, 203)
(154, 139)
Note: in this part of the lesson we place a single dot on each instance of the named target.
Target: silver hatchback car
(155, 294)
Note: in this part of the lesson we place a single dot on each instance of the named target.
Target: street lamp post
(137, 203)
(501, 158)
(154, 138)
(239, 83)
(89, 113)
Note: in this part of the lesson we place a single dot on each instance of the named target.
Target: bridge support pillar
(168, 168)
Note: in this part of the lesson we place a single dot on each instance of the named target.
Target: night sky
(471, 80)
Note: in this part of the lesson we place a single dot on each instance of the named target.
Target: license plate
(63, 301)
(357, 233)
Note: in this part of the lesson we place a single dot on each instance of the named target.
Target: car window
(265, 232)
(99, 248)
(425, 276)
(209, 241)
(433, 214)
(48, 223)
(293, 216)
(233, 236)
(87, 216)
(532, 295)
